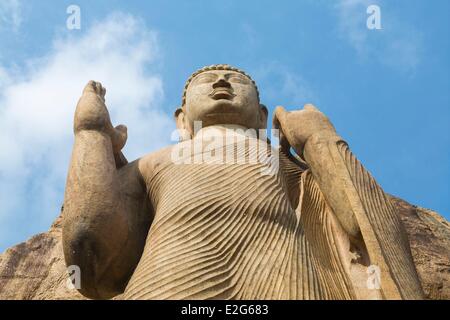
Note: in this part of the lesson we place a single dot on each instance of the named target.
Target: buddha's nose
(221, 82)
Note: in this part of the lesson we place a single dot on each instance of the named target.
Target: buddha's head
(221, 94)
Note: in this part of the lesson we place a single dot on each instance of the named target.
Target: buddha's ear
(180, 120)
(263, 114)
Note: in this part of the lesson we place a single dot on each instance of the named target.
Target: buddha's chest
(215, 191)
(221, 226)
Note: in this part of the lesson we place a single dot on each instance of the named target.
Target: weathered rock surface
(35, 269)
(429, 238)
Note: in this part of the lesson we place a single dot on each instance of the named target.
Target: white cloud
(397, 45)
(10, 14)
(275, 80)
(36, 113)
(352, 23)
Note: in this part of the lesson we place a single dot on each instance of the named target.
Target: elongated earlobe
(263, 114)
(183, 131)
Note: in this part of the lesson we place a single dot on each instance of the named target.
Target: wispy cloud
(277, 80)
(398, 44)
(36, 113)
(10, 14)
(352, 23)
(250, 36)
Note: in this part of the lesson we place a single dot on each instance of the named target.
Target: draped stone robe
(227, 231)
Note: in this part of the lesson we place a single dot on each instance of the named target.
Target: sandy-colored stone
(429, 237)
(226, 214)
(42, 257)
(35, 269)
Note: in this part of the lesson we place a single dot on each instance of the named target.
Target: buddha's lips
(222, 93)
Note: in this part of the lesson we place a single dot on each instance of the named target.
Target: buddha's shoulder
(166, 157)
(156, 159)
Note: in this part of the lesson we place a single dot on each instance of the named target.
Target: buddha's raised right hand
(91, 114)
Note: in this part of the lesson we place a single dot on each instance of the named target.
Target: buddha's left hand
(298, 126)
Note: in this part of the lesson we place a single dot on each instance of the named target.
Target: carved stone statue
(318, 227)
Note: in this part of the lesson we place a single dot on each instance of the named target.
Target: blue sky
(386, 91)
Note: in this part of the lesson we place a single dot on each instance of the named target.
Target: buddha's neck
(221, 130)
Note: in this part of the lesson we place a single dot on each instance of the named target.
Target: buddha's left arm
(358, 202)
(328, 157)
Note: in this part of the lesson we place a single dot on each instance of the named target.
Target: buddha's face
(223, 97)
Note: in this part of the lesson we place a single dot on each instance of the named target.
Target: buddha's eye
(238, 79)
(206, 78)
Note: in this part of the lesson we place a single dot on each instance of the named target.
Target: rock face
(36, 270)
(429, 238)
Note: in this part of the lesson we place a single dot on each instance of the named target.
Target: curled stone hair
(215, 67)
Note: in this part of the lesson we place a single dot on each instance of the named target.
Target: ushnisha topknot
(215, 67)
